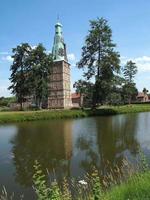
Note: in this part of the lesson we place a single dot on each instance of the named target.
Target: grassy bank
(136, 188)
(7, 117)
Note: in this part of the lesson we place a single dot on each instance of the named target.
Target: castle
(59, 86)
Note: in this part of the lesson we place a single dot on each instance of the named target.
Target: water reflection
(115, 138)
(50, 144)
(116, 141)
(70, 147)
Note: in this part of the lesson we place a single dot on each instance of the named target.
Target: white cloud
(71, 57)
(7, 58)
(143, 62)
(4, 84)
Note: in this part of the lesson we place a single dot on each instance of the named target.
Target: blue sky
(33, 21)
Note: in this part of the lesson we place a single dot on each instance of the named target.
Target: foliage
(84, 88)
(114, 98)
(30, 73)
(136, 188)
(99, 58)
(129, 92)
(129, 71)
(41, 188)
(55, 191)
(96, 185)
(144, 163)
(129, 89)
(66, 193)
(39, 180)
(145, 91)
(40, 67)
(5, 101)
(19, 72)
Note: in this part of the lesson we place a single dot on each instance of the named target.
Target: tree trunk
(21, 106)
(129, 100)
(81, 100)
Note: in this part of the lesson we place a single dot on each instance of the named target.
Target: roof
(140, 94)
(75, 95)
(58, 24)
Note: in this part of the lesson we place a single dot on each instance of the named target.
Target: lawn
(19, 116)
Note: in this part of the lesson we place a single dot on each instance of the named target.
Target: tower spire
(59, 47)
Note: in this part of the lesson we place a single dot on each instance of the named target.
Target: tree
(145, 91)
(99, 58)
(30, 73)
(84, 88)
(115, 96)
(129, 71)
(40, 67)
(19, 72)
(129, 89)
(129, 92)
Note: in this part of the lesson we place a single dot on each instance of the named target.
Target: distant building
(141, 97)
(76, 99)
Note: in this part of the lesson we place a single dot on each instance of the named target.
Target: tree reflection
(115, 140)
(99, 141)
(86, 144)
(49, 143)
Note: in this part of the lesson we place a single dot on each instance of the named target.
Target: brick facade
(59, 86)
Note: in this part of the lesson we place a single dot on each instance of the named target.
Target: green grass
(136, 188)
(7, 117)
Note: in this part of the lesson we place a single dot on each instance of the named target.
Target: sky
(33, 21)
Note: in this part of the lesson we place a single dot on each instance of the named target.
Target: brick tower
(59, 86)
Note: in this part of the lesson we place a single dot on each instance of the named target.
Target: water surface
(69, 147)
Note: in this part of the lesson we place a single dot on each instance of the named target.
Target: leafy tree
(145, 91)
(30, 73)
(129, 92)
(99, 58)
(85, 89)
(5, 101)
(40, 66)
(129, 71)
(129, 89)
(115, 95)
(19, 72)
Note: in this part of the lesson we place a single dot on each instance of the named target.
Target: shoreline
(21, 116)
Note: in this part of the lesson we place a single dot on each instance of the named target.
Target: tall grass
(130, 184)
(133, 185)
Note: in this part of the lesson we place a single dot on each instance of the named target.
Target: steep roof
(75, 95)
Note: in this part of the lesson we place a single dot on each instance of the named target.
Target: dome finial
(58, 21)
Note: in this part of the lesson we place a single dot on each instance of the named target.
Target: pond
(69, 147)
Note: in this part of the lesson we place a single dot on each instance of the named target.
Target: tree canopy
(99, 58)
(30, 73)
